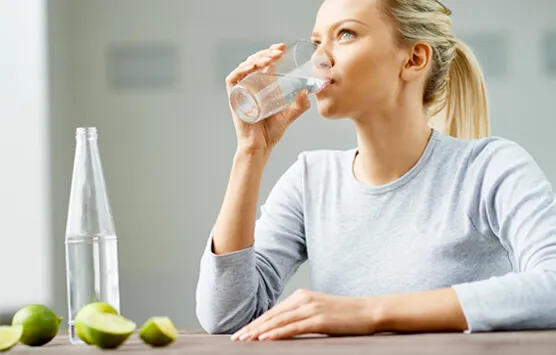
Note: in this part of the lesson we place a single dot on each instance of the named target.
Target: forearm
(234, 227)
(430, 311)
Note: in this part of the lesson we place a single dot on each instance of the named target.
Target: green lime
(158, 331)
(107, 330)
(84, 312)
(40, 324)
(9, 336)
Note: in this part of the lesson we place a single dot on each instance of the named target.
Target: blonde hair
(455, 94)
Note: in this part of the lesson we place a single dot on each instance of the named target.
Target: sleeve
(235, 288)
(516, 204)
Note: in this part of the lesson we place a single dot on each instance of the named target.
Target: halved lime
(9, 336)
(158, 331)
(40, 324)
(107, 330)
(84, 312)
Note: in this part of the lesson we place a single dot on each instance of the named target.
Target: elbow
(219, 316)
(215, 323)
(213, 327)
(209, 322)
(209, 318)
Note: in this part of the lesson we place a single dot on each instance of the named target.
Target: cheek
(374, 78)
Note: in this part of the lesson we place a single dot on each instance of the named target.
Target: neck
(389, 144)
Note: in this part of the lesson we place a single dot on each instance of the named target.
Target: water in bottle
(91, 242)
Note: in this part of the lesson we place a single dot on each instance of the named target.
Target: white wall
(167, 152)
(523, 102)
(25, 239)
(63, 115)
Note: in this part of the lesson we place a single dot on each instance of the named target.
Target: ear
(419, 58)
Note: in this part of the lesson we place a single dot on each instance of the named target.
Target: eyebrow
(337, 24)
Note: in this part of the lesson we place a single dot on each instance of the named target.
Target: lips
(324, 87)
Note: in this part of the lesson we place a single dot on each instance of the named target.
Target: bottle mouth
(86, 131)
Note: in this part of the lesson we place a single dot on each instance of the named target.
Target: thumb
(301, 104)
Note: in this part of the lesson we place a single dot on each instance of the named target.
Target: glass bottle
(91, 243)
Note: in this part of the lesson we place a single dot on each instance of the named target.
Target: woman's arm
(246, 262)
(235, 225)
(430, 311)
(516, 204)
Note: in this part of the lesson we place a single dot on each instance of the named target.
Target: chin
(328, 109)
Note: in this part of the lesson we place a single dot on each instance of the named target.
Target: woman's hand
(265, 134)
(307, 312)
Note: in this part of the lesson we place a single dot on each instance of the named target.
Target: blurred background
(149, 74)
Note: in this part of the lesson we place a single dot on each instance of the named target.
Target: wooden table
(195, 342)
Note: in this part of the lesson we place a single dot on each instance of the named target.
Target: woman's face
(366, 58)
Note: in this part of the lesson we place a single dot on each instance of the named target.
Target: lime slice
(9, 336)
(107, 330)
(84, 312)
(158, 331)
(40, 324)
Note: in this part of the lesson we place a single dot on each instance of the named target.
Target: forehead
(332, 11)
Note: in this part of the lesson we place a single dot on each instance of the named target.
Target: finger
(255, 62)
(307, 325)
(280, 46)
(246, 332)
(239, 73)
(281, 320)
(302, 104)
(272, 53)
(288, 304)
(245, 69)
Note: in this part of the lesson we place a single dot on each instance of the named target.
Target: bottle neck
(83, 133)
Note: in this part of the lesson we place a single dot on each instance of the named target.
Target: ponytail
(454, 97)
(465, 110)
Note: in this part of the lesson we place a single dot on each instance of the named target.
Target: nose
(322, 59)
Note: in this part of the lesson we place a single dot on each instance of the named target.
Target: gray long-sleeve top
(478, 216)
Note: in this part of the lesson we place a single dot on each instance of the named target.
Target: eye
(345, 34)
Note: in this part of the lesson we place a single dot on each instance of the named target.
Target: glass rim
(316, 46)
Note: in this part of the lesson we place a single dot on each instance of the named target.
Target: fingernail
(275, 51)
(264, 337)
(244, 336)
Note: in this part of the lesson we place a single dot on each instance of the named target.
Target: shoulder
(497, 148)
(494, 160)
(499, 153)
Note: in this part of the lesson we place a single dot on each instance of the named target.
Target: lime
(84, 312)
(40, 324)
(158, 331)
(107, 330)
(9, 336)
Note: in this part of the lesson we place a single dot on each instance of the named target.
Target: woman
(415, 230)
